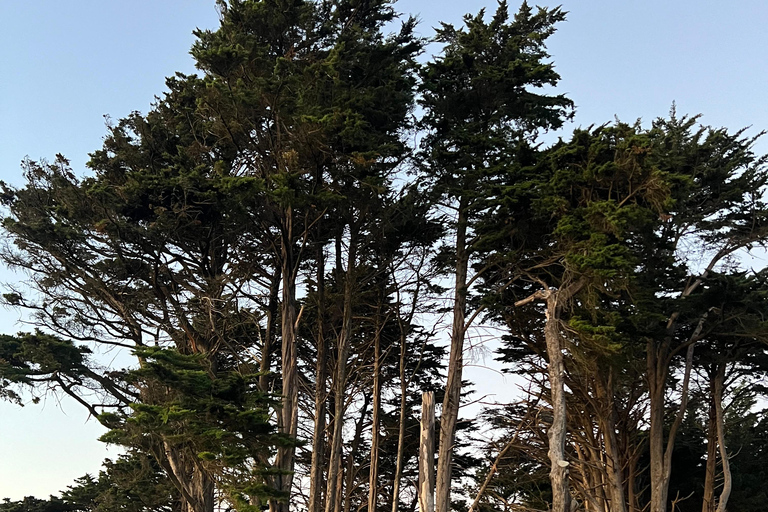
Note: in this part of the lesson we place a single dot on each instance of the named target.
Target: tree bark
(288, 420)
(427, 453)
(194, 484)
(708, 503)
(340, 381)
(606, 395)
(401, 423)
(318, 437)
(450, 412)
(658, 370)
(724, 462)
(373, 473)
(558, 473)
(266, 348)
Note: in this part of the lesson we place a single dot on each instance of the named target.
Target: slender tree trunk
(708, 504)
(373, 474)
(656, 382)
(340, 381)
(288, 420)
(613, 464)
(354, 449)
(725, 463)
(401, 424)
(269, 333)
(318, 438)
(558, 473)
(427, 453)
(658, 370)
(450, 412)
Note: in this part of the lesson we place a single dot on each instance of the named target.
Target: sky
(66, 65)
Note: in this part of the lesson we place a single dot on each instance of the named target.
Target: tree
(480, 105)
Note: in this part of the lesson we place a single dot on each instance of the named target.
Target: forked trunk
(187, 475)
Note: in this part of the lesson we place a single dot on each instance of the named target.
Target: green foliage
(219, 415)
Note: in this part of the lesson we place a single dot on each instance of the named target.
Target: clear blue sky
(67, 64)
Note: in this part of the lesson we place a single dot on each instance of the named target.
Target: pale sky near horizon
(67, 64)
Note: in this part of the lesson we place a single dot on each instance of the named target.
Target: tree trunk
(727, 479)
(708, 504)
(450, 412)
(613, 464)
(401, 423)
(656, 384)
(354, 449)
(288, 420)
(558, 473)
(340, 381)
(266, 348)
(373, 474)
(427, 453)
(318, 437)
(194, 484)
(658, 370)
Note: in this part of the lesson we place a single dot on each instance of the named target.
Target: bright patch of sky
(64, 65)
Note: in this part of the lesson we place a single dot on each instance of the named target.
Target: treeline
(280, 241)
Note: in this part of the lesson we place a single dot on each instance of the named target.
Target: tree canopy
(295, 243)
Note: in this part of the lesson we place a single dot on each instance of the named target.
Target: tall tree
(565, 233)
(480, 104)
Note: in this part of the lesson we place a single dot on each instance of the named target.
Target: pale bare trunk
(558, 473)
(450, 412)
(727, 479)
(427, 453)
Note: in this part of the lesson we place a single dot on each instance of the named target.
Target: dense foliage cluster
(296, 243)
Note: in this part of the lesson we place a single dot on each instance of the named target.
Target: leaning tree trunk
(659, 360)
